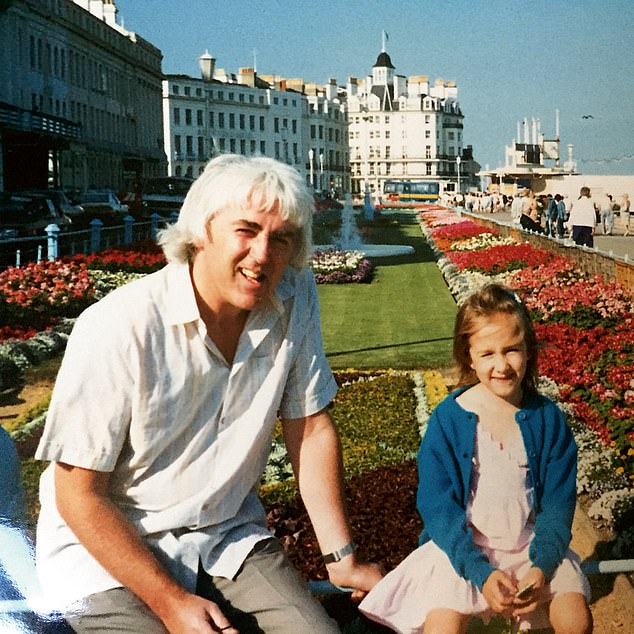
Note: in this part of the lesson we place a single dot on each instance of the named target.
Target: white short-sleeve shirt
(144, 393)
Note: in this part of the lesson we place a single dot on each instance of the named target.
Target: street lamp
(311, 158)
(458, 166)
(321, 171)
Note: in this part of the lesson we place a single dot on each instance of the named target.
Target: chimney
(247, 77)
(207, 64)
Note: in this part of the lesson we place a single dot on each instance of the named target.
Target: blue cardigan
(444, 470)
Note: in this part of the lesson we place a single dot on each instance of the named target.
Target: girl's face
(498, 356)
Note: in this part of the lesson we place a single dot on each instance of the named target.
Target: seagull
(587, 116)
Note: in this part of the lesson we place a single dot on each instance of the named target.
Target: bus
(409, 193)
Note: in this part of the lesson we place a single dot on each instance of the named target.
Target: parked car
(323, 202)
(23, 214)
(60, 200)
(104, 205)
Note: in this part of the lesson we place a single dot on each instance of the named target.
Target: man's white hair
(231, 181)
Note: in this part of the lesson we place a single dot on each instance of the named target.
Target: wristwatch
(338, 555)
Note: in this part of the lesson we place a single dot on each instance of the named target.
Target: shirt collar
(181, 304)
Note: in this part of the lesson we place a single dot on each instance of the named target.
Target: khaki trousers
(267, 596)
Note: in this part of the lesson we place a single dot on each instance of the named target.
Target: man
(161, 423)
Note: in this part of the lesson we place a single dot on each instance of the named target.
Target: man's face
(243, 258)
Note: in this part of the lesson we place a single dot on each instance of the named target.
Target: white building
(406, 129)
(80, 97)
(247, 114)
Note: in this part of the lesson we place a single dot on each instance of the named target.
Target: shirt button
(522, 415)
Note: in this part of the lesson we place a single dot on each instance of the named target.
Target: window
(232, 145)
(252, 146)
(294, 126)
(277, 150)
(201, 148)
(221, 144)
(262, 124)
(188, 116)
(199, 117)
(428, 151)
(177, 116)
(242, 122)
(241, 98)
(230, 96)
(199, 92)
(263, 147)
(313, 130)
(232, 120)
(276, 124)
(211, 119)
(251, 122)
(428, 134)
(243, 146)
(189, 145)
(188, 91)
(177, 145)
(221, 119)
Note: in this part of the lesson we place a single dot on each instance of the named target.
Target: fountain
(350, 240)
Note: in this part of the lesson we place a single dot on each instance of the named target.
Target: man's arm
(315, 453)
(83, 502)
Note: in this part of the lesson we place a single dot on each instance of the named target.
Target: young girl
(497, 470)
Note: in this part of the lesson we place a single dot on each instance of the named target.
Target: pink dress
(502, 521)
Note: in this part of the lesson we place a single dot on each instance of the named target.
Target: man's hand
(191, 614)
(499, 591)
(350, 573)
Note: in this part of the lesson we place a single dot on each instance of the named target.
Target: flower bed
(586, 327)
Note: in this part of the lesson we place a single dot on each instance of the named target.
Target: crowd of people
(555, 215)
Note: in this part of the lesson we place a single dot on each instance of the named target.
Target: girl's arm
(556, 508)
(441, 492)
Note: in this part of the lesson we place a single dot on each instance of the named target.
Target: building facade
(80, 97)
(300, 124)
(406, 129)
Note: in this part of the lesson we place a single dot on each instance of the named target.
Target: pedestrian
(494, 443)
(606, 213)
(625, 214)
(551, 216)
(161, 421)
(562, 215)
(583, 219)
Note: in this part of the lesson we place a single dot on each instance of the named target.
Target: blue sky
(510, 59)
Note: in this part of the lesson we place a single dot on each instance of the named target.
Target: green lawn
(403, 319)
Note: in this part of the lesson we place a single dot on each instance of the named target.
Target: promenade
(619, 245)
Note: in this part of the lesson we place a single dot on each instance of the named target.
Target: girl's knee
(570, 614)
(445, 621)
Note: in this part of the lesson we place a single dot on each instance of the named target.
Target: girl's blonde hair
(231, 181)
(489, 300)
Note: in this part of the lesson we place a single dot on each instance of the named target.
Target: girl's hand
(527, 603)
(534, 581)
(499, 591)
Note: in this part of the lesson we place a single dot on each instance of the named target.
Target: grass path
(402, 320)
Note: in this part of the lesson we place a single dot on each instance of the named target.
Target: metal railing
(56, 243)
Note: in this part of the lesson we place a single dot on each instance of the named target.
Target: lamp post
(368, 207)
(321, 171)
(311, 158)
(458, 166)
